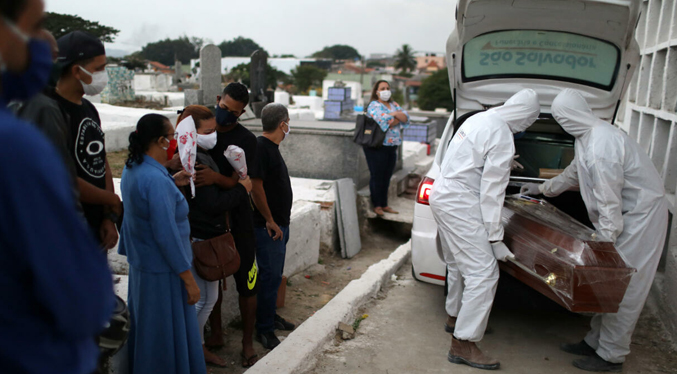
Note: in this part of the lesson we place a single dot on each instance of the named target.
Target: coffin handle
(549, 279)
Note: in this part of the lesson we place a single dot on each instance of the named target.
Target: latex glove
(514, 164)
(531, 189)
(501, 251)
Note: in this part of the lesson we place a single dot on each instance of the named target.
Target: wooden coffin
(561, 258)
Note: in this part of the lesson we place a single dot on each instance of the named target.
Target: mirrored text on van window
(541, 54)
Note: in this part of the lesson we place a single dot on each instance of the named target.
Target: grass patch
(116, 160)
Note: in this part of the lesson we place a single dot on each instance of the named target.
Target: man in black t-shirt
(229, 107)
(82, 59)
(272, 195)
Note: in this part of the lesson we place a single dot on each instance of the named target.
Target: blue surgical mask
(225, 117)
(22, 86)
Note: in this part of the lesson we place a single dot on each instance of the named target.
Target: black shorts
(246, 278)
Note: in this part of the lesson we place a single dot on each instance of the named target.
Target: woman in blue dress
(155, 236)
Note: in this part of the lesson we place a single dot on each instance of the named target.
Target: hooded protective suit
(625, 199)
(466, 201)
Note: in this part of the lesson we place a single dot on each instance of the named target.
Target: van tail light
(423, 194)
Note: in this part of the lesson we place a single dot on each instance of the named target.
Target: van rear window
(542, 55)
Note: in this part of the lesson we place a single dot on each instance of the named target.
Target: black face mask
(225, 117)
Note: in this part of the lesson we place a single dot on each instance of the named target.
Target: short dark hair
(66, 70)
(11, 9)
(238, 92)
(271, 116)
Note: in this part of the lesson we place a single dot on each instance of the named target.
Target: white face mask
(207, 141)
(99, 82)
(286, 133)
(385, 95)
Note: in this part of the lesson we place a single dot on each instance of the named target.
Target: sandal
(379, 211)
(248, 362)
(390, 210)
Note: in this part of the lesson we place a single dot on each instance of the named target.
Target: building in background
(648, 115)
(425, 60)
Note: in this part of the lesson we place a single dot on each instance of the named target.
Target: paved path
(404, 334)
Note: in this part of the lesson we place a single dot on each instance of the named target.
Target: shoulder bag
(216, 258)
(367, 132)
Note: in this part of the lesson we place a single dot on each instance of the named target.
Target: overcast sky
(298, 27)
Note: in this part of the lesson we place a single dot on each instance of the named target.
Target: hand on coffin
(531, 189)
(501, 251)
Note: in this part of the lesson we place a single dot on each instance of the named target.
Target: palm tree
(404, 59)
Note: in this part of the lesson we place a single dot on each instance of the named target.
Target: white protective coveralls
(625, 199)
(466, 201)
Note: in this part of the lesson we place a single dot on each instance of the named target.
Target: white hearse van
(502, 46)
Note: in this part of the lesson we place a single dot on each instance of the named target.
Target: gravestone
(178, 73)
(119, 88)
(193, 97)
(346, 218)
(257, 76)
(210, 72)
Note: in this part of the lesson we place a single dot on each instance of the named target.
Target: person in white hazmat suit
(466, 201)
(625, 199)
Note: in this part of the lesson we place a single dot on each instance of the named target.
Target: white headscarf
(187, 143)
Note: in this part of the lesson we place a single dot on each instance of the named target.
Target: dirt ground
(305, 296)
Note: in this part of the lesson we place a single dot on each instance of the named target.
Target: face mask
(225, 117)
(23, 86)
(207, 141)
(385, 95)
(99, 82)
(286, 133)
(171, 148)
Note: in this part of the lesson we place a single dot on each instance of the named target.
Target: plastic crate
(420, 132)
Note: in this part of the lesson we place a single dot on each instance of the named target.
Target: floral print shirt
(381, 114)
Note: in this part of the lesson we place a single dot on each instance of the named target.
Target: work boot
(467, 352)
(450, 325)
(596, 363)
(581, 348)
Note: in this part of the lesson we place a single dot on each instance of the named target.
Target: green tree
(404, 59)
(435, 92)
(239, 47)
(240, 73)
(338, 52)
(164, 51)
(306, 76)
(62, 24)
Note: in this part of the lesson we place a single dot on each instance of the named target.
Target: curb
(300, 349)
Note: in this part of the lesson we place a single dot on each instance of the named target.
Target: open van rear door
(500, 47)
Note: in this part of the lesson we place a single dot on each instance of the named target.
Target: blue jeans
(381, 163)
(270, 258)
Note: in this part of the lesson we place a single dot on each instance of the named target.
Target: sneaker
(596, 363)
(268, 340)
(581, 348)
(282, 324)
